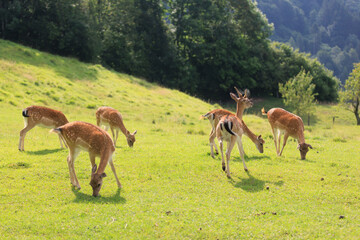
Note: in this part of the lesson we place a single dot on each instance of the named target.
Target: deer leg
(117, 135)
(92, 159)
(222, 154)
(275, 139)
(286, 135)
(113, 134)
(212, 143)
(62, 140)
(70, 159)
(242, 153)
(279, 141)
(28, 126)
(230, 146)
(114, 171)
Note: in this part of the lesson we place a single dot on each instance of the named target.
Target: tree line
(203, 48)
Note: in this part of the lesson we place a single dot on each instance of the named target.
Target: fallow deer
(289, 124)
(214, 116)
(109, 117)
(230, 129)
(94, 140)
(43, 117)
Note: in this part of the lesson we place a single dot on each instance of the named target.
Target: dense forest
(328, 29)
(204, 48)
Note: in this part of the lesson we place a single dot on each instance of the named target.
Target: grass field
(172, 188)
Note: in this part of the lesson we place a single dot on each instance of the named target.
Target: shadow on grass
(247, 158)
(252, 184)
(81, 197)
(45, 151)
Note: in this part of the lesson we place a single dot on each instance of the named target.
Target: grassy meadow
(172, 188)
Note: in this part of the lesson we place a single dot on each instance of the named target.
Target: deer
(289, 124)
(110, 117)
(82, 136)
(43, 117)
(214, 116)
(230, 129)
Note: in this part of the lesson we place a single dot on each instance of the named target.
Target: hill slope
(172, 188)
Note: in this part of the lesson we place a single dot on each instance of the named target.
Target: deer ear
(233, 96)
(298, 147)
(310, 146)
(259, 137)
(135, 132)
(94, 168)
(103, 175)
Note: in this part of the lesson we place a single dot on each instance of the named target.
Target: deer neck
(301, 137)
(239, 111)
(122, 127)
(248, 132)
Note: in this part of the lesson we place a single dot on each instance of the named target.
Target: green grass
(172, 188)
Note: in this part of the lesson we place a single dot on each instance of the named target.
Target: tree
(298, 93)
(351, 93)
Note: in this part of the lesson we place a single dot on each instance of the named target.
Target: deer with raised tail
(214, 116)
(230, 129)
(43, 117)
(110, 117)
(82, 136)
(289, 124)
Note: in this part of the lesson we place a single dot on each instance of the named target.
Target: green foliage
(204, 48)
(288, 63)
(298, 93)
(351, 92)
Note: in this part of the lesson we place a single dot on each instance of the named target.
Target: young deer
(112, 118)
(230, 129)
(92, 139)
(43, 117)
(214, 116)
(284, 122)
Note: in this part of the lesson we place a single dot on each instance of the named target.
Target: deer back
(45, 116)
(87, 137)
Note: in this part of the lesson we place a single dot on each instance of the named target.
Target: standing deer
(43, 117)
(214, 116)
(112, 118)
(92, 139)
(289, 124)
(230, 129)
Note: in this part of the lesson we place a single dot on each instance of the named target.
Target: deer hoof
(223, 168)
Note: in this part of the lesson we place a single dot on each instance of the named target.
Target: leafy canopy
(351, 92)
(298, 93)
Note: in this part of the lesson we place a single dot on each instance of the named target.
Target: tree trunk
(356, 110)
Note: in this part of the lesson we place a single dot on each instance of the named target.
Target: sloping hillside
(171, 187)
(31, 77)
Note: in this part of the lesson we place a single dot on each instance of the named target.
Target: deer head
(260, 144)
(96, 181)
(304, 148)
(130, 138)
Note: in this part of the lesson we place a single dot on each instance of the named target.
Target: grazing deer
(214, 116)
(230, 129)
(43, 117)
(284, 122)
(92, 139)
(112, 118)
